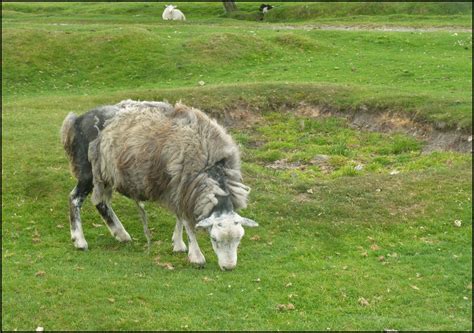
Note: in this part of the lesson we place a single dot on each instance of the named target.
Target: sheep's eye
(214, 239)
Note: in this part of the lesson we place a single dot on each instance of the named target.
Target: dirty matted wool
(154, 151)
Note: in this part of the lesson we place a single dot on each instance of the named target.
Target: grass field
(357, 229)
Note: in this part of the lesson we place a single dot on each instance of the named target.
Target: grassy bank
(429, 72)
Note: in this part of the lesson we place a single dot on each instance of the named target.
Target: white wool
(171, 13)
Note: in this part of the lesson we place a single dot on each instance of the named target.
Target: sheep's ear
(245, 222)
(206, 223)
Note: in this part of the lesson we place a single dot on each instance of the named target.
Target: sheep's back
(151, 153)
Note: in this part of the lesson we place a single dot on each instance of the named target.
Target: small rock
(457, 223)
(394, 172)
(378, 190)
(469, 138)
(39, 329)
(358, 167)
(415, 287)
(310, 191)
(201, 83)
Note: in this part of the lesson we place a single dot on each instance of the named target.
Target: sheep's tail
(68, 133)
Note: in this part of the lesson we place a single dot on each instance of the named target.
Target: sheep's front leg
(195, 255)
(178, 244)
(76, 199)
(141, 208)
(113, 223)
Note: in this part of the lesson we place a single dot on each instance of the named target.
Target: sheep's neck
(224, 204)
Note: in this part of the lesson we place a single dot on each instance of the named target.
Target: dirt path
(382, 28)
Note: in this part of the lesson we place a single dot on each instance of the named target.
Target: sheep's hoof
(199, 265)
(179, 247)
(80, 244)
(122, 236)
(197, 260)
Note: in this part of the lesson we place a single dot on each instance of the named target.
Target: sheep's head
(226, 231)
(170, 7)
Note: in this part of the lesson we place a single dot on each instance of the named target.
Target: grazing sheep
(171, 13)
(152, 151)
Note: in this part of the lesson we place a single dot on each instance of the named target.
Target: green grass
(324, 194)
(427, 74)
(299, 142)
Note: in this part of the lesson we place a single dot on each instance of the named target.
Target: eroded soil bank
(435, 137)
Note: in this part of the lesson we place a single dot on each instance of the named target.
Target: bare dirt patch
(240, 116)
(389, 122)
(322, 161)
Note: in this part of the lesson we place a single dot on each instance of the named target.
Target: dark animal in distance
(265, 8)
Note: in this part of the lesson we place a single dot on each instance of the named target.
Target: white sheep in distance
(152, 151)
(172, 13)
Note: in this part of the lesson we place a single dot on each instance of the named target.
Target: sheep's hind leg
(76, 199)
(113, 223)
(195, 255)
(178, 244)
(141, 208)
